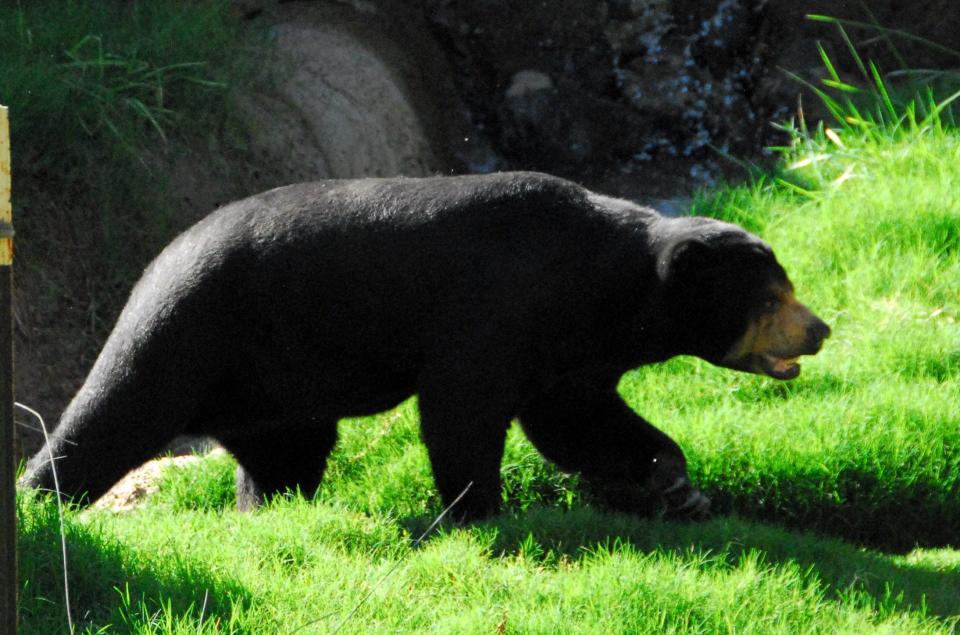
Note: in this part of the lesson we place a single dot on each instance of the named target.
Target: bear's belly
(333, 389)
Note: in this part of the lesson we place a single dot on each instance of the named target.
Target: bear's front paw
(669, 481)
(685, 502)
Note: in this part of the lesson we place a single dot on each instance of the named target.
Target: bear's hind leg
(110, 428)
(277, 459)
(465, 443)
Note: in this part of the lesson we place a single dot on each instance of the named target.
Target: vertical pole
(8, 509)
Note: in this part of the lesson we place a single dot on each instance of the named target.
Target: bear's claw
(683, 501)
(696, 507)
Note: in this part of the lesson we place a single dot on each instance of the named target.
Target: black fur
(491, 297)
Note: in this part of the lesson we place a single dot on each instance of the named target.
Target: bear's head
(731, 302)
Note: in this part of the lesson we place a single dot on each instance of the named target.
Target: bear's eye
(770, 304)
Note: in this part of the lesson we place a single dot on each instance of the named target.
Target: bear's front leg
(583, 425)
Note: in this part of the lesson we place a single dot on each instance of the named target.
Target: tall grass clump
(98, 94)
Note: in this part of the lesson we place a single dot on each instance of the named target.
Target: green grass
(865, 444)
(102, 95)
(837, 495)
(824, 486)
(547, 571)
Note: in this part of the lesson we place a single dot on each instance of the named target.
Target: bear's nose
(816, 333)
(820, 329)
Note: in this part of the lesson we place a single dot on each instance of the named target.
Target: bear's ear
(684, 257)
(693, 258)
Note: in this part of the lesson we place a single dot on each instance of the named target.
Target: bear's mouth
(782, 366)
(778, 367)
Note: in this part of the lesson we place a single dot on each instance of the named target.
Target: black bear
(513, 295)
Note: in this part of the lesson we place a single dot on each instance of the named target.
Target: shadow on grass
(111, 584)
(842, 567)
(858, 507)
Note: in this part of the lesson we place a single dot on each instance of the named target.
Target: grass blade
(853, 52)
(882, 90)
(885, 36)
(934, 116)
(832, 104)
(828, 63)
(886, 31)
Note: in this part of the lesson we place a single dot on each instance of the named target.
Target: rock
(338, 100)
(663, 88)
(140, 483)
(557, 129)
(528, 82)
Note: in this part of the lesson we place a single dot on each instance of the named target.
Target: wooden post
(8, 508)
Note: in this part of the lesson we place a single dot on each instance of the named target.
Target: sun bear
(493, 298)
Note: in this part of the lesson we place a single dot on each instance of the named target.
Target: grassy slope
(861, 450)
(865, 443)
(864, 446)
